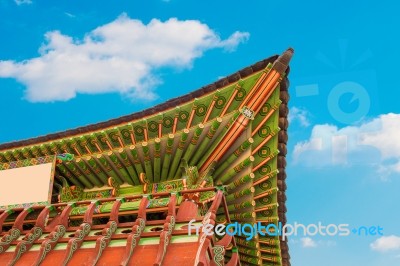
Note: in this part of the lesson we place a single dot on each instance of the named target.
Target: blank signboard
(27, 185)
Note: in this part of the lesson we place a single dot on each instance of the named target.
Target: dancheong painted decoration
(140, 189)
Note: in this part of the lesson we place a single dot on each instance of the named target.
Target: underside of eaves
(125, 189)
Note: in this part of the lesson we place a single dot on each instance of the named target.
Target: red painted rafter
(84, 229)
(137, 229)
(165, 236)
(27, 242)
(105, 238)
(58, 227)
(15, 231)
(3, 217)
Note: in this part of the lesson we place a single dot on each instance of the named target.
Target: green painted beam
(147, 161)
(118, 167)
(178, 154)
(241, 181)
(69, 176)
(134, 157)
(204, 143)
(224, 179)
(83, 167)
(74, 170)
(106, 166)
(231, 159)
(96, 168)
(237, 195)
(157, 160)
(218, 139)
(123, 157)
(167, 157)
(193, 142)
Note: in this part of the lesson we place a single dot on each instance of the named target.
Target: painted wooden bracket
(27, 242)
(166, 234)
(84, 229)
(15, 231)
(3, 217)
(137, 229)
(205, 240)
(218, 255)
(103, 241)
(225, 241)
(219, 249)
(57, 232)
(234, 258)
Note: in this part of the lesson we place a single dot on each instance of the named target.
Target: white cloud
(388, 138)
(375, 141)
(307, 242)
(23, 2)
(120, 56)
(299, 115)
(386, 243)
(69, 15)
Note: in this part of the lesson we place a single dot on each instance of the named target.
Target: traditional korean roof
(130, 185)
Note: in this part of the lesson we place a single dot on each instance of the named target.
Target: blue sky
(344, 149)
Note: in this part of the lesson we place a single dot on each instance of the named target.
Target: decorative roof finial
(282, 63)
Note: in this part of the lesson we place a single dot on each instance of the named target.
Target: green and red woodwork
(122, 192)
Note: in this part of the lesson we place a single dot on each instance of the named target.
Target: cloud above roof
(307, 242)
(299, 115)
(23, 2)
(120, 56)
(386, 243)
(375, 142)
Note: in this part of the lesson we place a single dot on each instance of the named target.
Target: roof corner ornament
(70, 193)
(64, 157)
(190, 174)
(193, 180)
(282, 63)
